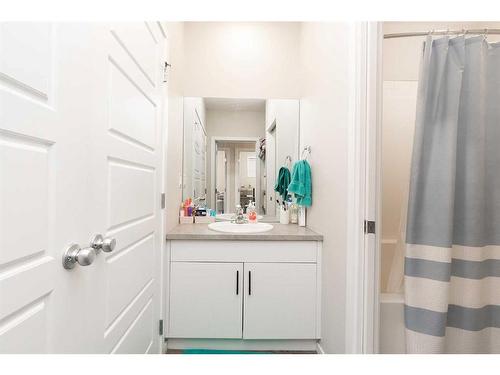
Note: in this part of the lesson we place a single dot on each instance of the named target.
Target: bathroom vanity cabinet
(244, 289)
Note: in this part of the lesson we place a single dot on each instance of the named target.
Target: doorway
(234, 169)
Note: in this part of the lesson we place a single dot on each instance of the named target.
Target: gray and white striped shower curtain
(452, 261)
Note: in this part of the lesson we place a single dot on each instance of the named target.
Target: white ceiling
(233, 104)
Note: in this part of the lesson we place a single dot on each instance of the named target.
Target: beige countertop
(280, 232)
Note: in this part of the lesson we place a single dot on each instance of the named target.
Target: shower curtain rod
(443, 32)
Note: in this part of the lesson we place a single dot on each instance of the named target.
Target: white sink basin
(227, 227)
(229, 217)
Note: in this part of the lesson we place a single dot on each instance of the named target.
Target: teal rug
(211, 351)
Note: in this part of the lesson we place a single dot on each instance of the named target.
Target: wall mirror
(233, 149)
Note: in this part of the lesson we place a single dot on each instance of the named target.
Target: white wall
(175, 38)
(324, 117)
(242, 59)
(245, 180)
(235, 123)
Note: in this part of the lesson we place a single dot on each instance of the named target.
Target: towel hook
(306, 149)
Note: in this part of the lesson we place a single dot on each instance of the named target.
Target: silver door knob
(106, 244)
(75, 254)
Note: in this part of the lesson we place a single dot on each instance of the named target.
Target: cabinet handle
(249, 283)
(237, 282)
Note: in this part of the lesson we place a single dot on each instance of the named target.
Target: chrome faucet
(239, 217)
(197, 200)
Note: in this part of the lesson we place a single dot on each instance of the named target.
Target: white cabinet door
(280, 301)
(206, 300)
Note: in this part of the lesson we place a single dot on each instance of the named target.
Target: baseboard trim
(319, 349)
(225, 344)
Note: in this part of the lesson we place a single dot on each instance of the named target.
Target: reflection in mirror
(236, 174)
(233, 149)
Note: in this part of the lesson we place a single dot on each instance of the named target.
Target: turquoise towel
(282, 182)
(301, 183)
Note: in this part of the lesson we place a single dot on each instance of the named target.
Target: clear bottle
(251, 213)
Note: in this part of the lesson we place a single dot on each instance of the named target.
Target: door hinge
(160, 327)
(162, 201)
(369, 227)
(167, 65)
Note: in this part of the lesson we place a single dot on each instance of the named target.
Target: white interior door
(126, 177)
(79, 155)
(279, 302)
(199, 157)
(206, 300)
(44, 187)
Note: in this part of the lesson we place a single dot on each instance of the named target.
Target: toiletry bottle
(284, 214)
(181, 210)
(294, 213)
(302, 216)
(251, 213)
(187, 206)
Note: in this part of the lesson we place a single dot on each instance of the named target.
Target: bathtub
(392, 328)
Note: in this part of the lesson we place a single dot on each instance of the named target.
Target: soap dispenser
(251, 213)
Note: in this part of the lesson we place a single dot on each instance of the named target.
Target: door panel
(280, 301)
(128, 156)
(117, 334)
(140, 41)
(20, 45)
(127, 180)
(25, 191)
(128, 106)
(204, 302)
(139, 337)
(128, 272)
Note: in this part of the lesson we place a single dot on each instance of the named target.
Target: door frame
(163, 137)
(213, 140)
(237, 166)
(364, 181)
(227, 156)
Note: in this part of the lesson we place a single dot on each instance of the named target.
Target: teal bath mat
(211, 351)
